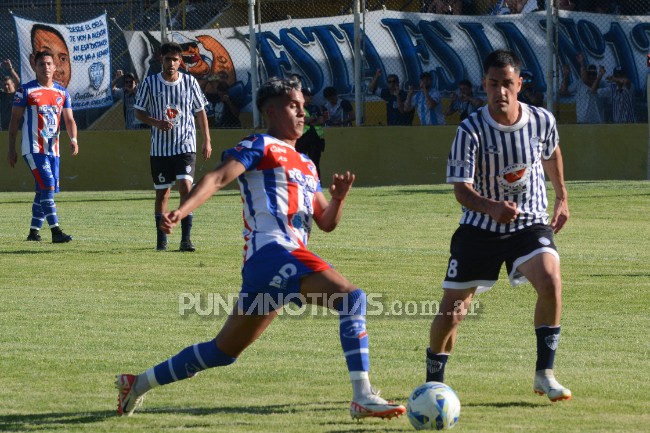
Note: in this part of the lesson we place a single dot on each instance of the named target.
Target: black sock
(547, 340)
(436, 366)
(160, 235)
(186, 227)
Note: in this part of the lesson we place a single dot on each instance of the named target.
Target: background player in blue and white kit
(168, 102)
(497, 164)
(282, 198)
(41, 104)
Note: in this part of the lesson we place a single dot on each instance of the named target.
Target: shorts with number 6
(165, 170)
(477, 255)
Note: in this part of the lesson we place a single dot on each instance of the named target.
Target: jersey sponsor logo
(50, 121)
(281, 280)
(458, 163)
(277, 149)
(297, 176)
(514, 178)
(59, 101)
(283, 159)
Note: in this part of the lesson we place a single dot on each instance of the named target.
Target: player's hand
(74, 148)
(560, 214)
(169, 220)
(12, 157)
(378, 73)
(207, 150)
(504, 212)
(341, 184)
(164, 125)
(7, 64)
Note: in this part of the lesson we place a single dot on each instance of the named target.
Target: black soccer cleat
(161, 246)
(187, 245)
(34, 236)
(58, 237)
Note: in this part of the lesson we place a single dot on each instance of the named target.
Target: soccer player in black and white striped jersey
(497, 165)
(168, 102)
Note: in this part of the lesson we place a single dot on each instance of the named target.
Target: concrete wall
(117, 160)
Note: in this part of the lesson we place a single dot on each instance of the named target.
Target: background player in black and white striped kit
(497, 164)
(168, 102)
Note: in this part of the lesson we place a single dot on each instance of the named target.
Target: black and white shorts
(166, 169)
(477, 255)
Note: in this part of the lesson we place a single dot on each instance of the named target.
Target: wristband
(73, 140)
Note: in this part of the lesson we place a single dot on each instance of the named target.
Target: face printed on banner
(50, 40)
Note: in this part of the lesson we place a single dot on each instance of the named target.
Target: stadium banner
(451, 47)
(81, 54)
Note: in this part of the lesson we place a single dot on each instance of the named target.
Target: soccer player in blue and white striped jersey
(168, 102)
(497, 164)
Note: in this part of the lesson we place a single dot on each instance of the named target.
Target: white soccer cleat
(374, 406)
(545, 383)
(127, 401)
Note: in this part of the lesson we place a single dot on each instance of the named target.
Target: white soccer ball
(433, 406)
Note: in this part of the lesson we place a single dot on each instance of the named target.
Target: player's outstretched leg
(187, 363)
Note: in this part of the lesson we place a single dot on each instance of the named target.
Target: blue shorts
(271, 278)
(45, 169)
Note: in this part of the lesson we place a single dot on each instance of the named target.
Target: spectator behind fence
(127, 94)
(9, 84)
(312, 141)
(427, 101)
(336, 111)
(46, 38)
(443, 7)
(528, 94)
(222, 111)
(620, 97)
(463, 101)
(396, 113)
(586, 91)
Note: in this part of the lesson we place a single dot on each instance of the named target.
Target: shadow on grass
(507, 404)
(54, 420)
(26, 252)
(59, 420)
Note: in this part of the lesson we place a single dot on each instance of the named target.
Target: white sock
(360, 384)
(144, 383)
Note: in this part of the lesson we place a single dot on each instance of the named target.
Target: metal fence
(320, 40)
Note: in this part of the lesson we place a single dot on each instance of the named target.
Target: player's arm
(501, 211)
(555, 171)
(145, 118)
(328, 214)
(209, 184)
(14, 123)
(206, 147)
(372, 86)
(71, 128)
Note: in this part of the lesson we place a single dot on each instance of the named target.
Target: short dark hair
(392, 76)
(500, 59)
(129, 75)
(43, 27)
(465, 82)
(42, 54)
(329, 92)
(275, 87)
(170, 47)
(426, 75)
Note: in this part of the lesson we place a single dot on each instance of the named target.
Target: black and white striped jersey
(176, 102)
(505, 163)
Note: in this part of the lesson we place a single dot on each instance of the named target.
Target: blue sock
(188, 362)
(161, 236)
(352, 330)
(49, 208)
(547, 341)
(436, 363)
(186, 227)
(37, 212)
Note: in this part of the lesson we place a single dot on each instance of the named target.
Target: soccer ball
(433, 406)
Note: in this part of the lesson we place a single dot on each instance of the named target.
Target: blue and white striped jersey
(176, 102)
(505, 163)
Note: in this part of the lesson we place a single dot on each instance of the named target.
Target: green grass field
(74, 315)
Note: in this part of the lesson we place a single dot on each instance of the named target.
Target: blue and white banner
(407, 44)
(81, 54)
